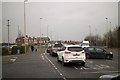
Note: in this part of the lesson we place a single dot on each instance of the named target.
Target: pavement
(11, 58)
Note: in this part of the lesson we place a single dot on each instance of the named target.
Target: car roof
(72, 46)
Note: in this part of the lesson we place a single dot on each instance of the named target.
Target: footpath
(12, 58)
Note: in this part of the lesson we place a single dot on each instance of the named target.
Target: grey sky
(66, 20)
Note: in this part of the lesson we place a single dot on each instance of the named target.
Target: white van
(85, 44)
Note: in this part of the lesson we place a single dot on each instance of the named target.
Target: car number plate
(76, 54)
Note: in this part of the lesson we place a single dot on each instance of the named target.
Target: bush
(5, 51)
(21, 48)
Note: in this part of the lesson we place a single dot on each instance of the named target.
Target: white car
(85, 44)
(71, 54)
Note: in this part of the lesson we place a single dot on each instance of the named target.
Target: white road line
(42, 57)
(102, 72)
(75, 67)
(55, 67)
(13, 60)
(99, 66)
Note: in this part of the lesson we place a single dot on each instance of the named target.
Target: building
(32, 40)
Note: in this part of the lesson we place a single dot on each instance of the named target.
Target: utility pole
(8, 36)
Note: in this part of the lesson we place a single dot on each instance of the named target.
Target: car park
(97, 52)
(55, 48)
(71, 54)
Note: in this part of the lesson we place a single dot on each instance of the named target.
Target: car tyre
(58, 59)
(63, 63)
(108, 57)
(87, 56)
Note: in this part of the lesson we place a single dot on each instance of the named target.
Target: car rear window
(58, 45)
(76, 49)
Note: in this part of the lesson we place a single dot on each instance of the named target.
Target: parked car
(49, 48)
(97, 52)
(55, 48)
(71, 54)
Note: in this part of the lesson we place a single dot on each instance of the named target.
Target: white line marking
(102, 72)
(99, 66)
(75, 67)
(13, 60)
(54, 67)
(42, 57)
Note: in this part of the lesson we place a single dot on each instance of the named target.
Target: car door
(92, 53)
(100, 52)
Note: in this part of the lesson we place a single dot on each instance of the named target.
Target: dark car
(96, 52)
(55, 48)
(49, 48)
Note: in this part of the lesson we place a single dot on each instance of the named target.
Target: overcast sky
(66, 20)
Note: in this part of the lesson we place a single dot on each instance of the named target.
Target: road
(43, 66)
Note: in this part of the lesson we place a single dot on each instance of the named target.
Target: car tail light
(66, 52)
(83, 52)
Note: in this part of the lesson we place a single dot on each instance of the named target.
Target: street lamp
(90, 33)
(40, 31)
(8, 36)
(107, 32)
(25, 24)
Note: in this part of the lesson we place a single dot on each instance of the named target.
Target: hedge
(5, 51)
(21, 48)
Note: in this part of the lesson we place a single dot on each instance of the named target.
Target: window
(91, 49)
(58, 45)
(76, 49)
(99, 50)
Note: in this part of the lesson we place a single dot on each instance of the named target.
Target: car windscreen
(75, 49)
(85, 44)
(58, 45)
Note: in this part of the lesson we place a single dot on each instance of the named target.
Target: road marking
(99, 66)
(75, 67)
(13, 60)
(89, 61)
(102, 72)
(42, 57)
(55, 67)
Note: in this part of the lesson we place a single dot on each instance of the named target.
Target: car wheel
(58, 59)
(87, 56)
(63, 63)
(83, 64)
(108, 57)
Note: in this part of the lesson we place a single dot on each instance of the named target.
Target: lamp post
(107, 32)
(25, 24)
(40, 32)
(8, 36)
(90, 33)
